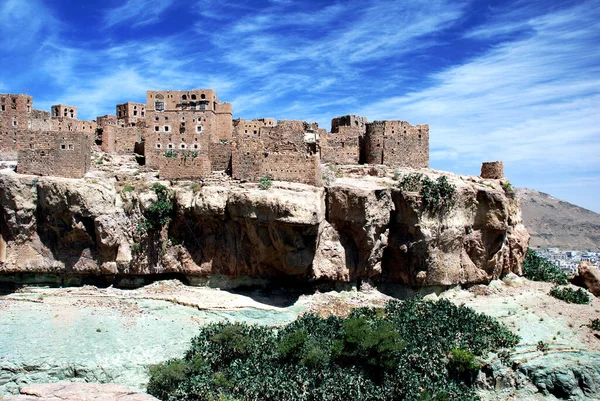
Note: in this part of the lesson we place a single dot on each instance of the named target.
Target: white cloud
(138, 12)
(532, 102)
(22, 23)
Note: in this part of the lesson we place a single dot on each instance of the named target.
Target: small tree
(265, 182)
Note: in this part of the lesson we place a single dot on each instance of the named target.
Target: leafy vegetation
(127, 188)
(170, 154)
(571, 296)
(159, 213)
(415, 350)
(537, 268)
(438, 195)
(595, 324)
(265, 182)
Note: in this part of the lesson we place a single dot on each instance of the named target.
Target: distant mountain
(555, 223)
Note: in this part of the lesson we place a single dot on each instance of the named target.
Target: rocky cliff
(360, 226)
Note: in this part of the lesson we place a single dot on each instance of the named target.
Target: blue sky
(517, 81)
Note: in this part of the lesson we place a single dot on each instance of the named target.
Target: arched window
(203, 96)
(183, 97)
(194, 97)
(170, 146)
(182, 146)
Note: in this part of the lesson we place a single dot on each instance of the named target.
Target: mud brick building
(55, 153)
(123, 132)
(183, 127)
(279, 152)
(397, 144)
(15, 112)
(344, 143)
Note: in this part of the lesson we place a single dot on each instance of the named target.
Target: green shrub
(571, 296)
(127, 188)
(265, 182)
(438, 195)
(542, 346)
(537, 268)
(410, 182)
(136, 248)
(170, 154)
(595, 324)
(159, 213)
(398, 353)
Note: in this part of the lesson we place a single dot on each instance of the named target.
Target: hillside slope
(555, 223)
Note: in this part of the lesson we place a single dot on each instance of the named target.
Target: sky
(517, 81)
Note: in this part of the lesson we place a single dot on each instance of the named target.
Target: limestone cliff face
(356, 227)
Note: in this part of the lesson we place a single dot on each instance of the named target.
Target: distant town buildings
(568, 260)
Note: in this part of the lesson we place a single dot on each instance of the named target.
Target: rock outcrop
(357, 227)
(590, 276)
(68, 391)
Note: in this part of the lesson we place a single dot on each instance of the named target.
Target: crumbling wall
(343, 144)
(492, 170)
(220, 155)
(184, 166)
(117, 139)
(64, 154)
(397, 144)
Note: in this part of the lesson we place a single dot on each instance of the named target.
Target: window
(193, 97)
(159, 105)
(170, 146)
(71, 113)
(156, 128)
(70, 146)
(142, 114)
(183, 97)
(182, 146)
(3, 108)
(167, 128)
(63, 146)
(135, 112)
(195, 146)
(198, 128)
(203, 96)
(158, 146)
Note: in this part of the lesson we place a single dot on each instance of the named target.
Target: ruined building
(397, 144)
(188, 133)
(279, 151)
(55, 153)
(124, 132)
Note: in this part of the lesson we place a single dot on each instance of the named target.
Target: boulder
(590, 276)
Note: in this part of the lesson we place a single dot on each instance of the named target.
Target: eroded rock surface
(358, 226)
(67, 391)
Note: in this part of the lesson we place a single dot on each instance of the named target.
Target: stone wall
(492, 170)
(343, 145)
(15, 111)
(184, 166)
(63, 154)
(397, 144)
(220, 155)
(117, 139)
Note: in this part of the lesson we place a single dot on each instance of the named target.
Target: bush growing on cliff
(412, 350)
(537, 268)
(571, 296)
(437, 195)
(595, 324)
(159, 213)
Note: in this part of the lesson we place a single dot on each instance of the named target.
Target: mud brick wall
(184, 167)
(63, 154)
(220, 155)
(15, 112)
(397, 144)
(293, 167)
(246, 153)
(156, 143)
(116, 139)
(223, 122)
(492, 170)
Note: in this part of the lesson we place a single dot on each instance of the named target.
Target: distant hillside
(555, 223)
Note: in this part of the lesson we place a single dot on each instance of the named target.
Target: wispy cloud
(23, 22)
(137, 12)
(531, 101)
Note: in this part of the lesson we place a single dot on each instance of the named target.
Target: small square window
(63, 146)
(70, 147)
(167, 128)
(156, 128)
(158, 146)
(170, 146)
